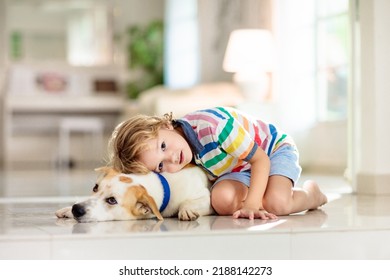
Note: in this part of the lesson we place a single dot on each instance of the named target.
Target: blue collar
(167, 192)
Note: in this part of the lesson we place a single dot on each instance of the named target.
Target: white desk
(31, 120)
(64, 103)
(41, 113)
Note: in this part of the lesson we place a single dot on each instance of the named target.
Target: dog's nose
(78, 210)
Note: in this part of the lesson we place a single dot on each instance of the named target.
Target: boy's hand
(253, 214)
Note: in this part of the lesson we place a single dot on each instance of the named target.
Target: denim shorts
(284, 162)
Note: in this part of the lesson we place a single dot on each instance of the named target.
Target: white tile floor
(348, 227)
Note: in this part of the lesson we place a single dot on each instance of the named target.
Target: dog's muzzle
(78, 210)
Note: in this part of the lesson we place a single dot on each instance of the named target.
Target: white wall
(371, 106)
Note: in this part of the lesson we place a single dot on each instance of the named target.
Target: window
(313, 40)
(181, 44)
(332, 53)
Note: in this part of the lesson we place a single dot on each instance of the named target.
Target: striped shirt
(224, 139)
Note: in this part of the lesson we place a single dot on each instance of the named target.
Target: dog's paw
(64, 212)
(188, 215)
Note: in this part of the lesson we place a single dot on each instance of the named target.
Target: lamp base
(253, 87)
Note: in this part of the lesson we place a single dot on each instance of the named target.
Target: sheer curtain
(181, 44)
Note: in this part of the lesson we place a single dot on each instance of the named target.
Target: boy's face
(169, 152)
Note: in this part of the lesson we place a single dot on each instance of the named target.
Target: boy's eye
(160, 166)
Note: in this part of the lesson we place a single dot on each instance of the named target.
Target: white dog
(119, 196)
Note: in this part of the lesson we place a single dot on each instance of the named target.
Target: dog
(119, 196)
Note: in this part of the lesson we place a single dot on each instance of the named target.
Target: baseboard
(373, 184)
(327, 169)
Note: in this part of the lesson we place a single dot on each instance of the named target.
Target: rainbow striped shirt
(224, 139)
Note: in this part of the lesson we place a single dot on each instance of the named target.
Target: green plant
(145, 53)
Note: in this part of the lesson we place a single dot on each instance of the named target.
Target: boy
(254, 165)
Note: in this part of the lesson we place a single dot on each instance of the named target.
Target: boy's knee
(277, 205)
(224, 199)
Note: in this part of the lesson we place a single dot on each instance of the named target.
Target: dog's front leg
(65, 212)
(187, 214)
(191, 210)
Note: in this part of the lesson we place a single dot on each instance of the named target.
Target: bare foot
(317, 197)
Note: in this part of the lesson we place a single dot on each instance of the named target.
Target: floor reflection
(311, 219)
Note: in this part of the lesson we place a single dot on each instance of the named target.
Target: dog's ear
(147, 204)
(140, 202)
(143, 209)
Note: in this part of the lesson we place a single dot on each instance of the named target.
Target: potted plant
(145, 56)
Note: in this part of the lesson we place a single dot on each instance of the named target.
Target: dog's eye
(111, 201)
(95, 188)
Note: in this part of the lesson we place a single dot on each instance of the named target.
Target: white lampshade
(249, 50)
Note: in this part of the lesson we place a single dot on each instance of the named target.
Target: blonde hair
(130, 138)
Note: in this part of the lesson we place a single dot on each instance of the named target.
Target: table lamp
(250, 56)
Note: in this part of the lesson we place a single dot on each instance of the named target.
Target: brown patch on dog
(139, 202)
(106, 172)
(125, 179)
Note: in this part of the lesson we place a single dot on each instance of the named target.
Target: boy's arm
(253, 204)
